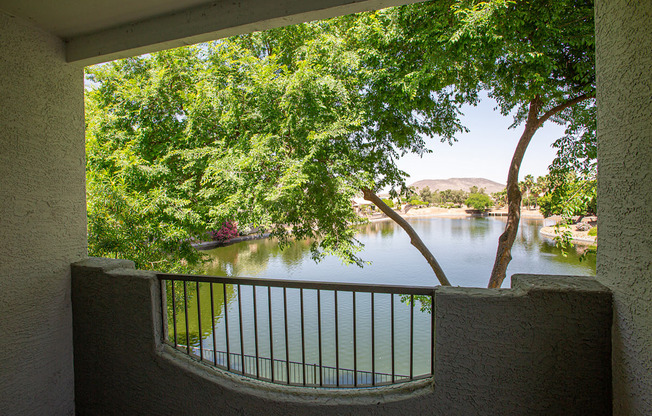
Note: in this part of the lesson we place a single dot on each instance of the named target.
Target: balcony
(542, 347)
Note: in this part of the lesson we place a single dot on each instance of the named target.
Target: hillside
(459, 184)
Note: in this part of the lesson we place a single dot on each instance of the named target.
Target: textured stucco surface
(548, 354)
(624, 71)
(540, 349)
(42, 218)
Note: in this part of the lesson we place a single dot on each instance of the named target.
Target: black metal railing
(304, 333)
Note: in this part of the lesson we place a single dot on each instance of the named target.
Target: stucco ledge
(295, 394)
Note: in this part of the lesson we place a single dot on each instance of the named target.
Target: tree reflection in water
(465, 245)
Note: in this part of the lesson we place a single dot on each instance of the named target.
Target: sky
(484, 152)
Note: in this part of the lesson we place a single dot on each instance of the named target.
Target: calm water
(465, 248)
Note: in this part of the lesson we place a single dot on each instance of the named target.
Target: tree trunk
(506, 240)
(415, 240)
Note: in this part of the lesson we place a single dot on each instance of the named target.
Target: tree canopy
(281, 129)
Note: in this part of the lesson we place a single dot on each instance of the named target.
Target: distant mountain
(459, 184)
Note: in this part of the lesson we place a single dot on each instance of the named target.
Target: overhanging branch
(563, 106)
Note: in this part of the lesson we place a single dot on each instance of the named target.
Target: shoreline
(436, 212)
(209, 245)
(433, 212)
(579, 237)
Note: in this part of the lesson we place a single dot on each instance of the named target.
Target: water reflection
(458, 228)
(465, 247)
(251, 258)
(478, 227)
(383, 228)
(209, 317)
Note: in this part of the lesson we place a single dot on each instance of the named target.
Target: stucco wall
(541, 349)
(624, 70)
(42, 218)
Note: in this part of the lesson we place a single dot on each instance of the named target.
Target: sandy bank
(579, 237)
(433, 212)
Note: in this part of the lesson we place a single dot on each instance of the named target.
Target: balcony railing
(302, 333)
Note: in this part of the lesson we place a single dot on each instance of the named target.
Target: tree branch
(415, 240)
(506, 240)
(563, 106)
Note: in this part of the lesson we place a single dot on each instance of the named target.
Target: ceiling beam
(211, 21)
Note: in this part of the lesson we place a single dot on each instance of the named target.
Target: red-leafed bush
(228, 231)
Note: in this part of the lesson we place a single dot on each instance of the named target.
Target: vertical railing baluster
(321, 378)
(185, 308)
(303, 340)
(201, 343)
(226, 329)
(411, 337)
(355, 347)
(373, 342)
(392, 334)
(174, 314)
(337, 345)
(242, 361)
(287, 341)
(213, 323)
(165, 318)
(432, 334)
(256, 330)
(271, 337)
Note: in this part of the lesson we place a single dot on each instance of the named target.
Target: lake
(465, 248)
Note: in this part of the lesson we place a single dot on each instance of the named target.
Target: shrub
(593, 231)
(417, 202)
(228, 231)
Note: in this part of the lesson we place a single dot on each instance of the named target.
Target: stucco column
(42, 218)
(624, 71)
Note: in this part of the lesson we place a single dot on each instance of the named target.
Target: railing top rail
(302, 284)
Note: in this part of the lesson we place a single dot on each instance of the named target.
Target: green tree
(143, 200)
(526, 187)
(535, 58)
(261, 129)
(425, 194)
(478, 201)
(500, 198)
(570, 197)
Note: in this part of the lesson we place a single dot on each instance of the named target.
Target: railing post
(201, 343)
(226, 328)
(213, 324)
(242, 354)
(432, 333)
(185, 308)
